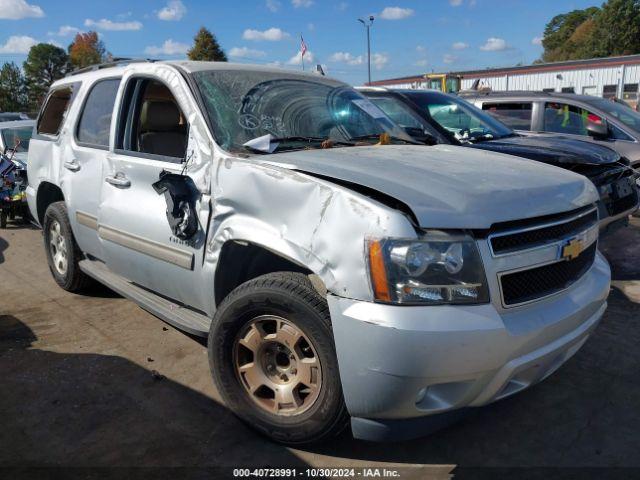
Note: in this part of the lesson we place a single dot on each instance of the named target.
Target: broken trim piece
(86, 219)
(148, 247)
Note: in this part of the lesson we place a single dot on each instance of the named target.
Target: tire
(318, 411)
(58, 237)
(3, 219)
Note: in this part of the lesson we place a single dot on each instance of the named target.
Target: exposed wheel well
(47, 194)
(240, 262)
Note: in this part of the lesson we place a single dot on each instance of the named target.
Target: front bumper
(610, 223)
(405, 362)
(613, 211)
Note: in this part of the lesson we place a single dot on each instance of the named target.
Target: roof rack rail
(117, 61)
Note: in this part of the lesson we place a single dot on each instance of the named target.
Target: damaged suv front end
(448, 285)
(478, 301)
(338, 269)
(498, 331)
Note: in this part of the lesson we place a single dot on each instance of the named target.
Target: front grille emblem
(572, 249)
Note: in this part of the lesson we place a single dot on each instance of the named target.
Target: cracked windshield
(268, 112)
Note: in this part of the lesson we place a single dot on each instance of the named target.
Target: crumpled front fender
(314, 223)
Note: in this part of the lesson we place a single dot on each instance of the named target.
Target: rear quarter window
(516, 115)
(55, 109)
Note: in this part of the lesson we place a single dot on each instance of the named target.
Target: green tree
(617, 28)
(13, 94)
(583, 42)
(206, 48)
(613, 29)
(557, 41)
(45, 64)
(87, 49)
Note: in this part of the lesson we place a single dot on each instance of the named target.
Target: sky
(407, 36)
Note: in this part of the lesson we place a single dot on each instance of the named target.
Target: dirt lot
(93, 380)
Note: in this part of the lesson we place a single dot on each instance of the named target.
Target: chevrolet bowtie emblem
(572, 249)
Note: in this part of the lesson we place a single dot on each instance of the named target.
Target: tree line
(24, 89)
(610, 30)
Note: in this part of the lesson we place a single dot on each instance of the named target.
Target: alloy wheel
(277, 365)
(58, 248)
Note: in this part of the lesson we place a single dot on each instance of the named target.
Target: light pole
(367, 25)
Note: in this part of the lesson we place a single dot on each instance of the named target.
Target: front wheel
(273, 359)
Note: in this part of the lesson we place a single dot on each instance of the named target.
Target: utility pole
(367, 25)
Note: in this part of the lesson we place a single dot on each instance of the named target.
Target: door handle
(119, 180)
(71, 165)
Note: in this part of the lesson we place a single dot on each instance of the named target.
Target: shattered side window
(54, 110)
(244, 105)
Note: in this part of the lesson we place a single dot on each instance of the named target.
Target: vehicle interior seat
(161, 130)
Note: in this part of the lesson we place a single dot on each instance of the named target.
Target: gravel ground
(94, 381)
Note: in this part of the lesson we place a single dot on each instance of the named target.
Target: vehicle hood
(560, 151)
(449, 186)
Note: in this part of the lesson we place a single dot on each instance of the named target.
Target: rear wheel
(3, 219)
(63, 253)
(273, 359)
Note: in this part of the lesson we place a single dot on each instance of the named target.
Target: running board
(172, 313)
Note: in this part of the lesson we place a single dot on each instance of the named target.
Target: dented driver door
(152, 217)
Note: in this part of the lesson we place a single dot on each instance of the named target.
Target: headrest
(159, 116)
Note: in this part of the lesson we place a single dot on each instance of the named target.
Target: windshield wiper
(508, 135)
(309, 140)
(481, 138)
(376, 136)
(297, 138)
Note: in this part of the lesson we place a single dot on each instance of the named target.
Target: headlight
(437, 268)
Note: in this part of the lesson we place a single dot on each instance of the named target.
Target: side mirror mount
(598, 130)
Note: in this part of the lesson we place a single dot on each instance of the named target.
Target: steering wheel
(463, 133)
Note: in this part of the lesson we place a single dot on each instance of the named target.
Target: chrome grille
(527, 285)
(516, 240)
(536, 258)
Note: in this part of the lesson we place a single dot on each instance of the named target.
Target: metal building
(604, 77)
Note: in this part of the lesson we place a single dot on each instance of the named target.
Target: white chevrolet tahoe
(340, 272)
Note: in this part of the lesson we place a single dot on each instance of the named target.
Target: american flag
(303, 46)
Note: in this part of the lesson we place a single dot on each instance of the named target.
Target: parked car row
(351, 260)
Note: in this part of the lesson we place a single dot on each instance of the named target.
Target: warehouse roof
(535, 68)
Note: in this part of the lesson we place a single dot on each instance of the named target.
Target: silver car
(594, 119)
(340, 272)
